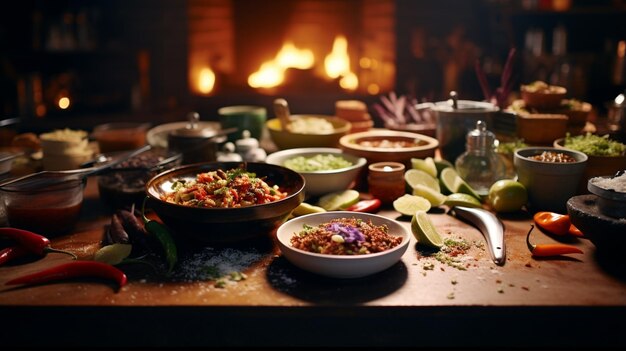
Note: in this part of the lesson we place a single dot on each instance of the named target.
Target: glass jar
(386, 181)
(480, 166)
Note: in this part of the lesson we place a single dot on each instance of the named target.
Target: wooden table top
(573, 300)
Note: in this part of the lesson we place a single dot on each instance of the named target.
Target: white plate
(341, 266)
(157, 136)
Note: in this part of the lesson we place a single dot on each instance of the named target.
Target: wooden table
(578, 300)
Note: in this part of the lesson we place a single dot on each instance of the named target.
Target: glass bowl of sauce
(50, 210)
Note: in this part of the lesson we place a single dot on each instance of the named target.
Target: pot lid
(455, 105)
(194, 129)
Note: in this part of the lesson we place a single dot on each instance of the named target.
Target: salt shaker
(480, 166)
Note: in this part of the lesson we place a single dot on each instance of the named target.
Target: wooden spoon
(281, 109)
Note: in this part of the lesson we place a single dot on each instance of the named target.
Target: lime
(339, 200)
(461, 199)
(453, 183)
(424, 230)
(113, 254)
(441, 164)
(306, 208)
(408, 204)
(448, 178)
(415, 177)
(434, 197)
(427, 165)
(507, 195)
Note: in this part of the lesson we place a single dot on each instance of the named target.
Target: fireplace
(308, 51)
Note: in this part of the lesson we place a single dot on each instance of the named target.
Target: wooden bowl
(541, 95)
(541, 129)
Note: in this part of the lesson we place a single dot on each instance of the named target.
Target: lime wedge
(461, 199)
(306, 208)
(434, 197)
(415, 177)
(463, 187)
(424, 230)
(448, 178)
(427, 165)
(453, 183)
(408, 204)
(441, 164)
(339, 200)
(113, 254)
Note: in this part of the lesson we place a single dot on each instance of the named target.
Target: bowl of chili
(343, 244)
(225, 202)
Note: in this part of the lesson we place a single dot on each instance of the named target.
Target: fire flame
(206, 80)
(337, 63)
(272, 73)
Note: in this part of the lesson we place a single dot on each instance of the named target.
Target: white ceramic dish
(157, 136)
(322, 182)
(337, 266)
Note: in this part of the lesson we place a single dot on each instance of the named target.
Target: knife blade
(489, 225)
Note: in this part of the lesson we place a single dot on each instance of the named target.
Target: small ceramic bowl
(321, 182)
(342, 266)
(549, 184)
(120, 136)
(285, 139)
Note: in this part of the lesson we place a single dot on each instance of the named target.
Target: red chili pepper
(554, 223)
(31, 242)
(365, 206)
(545, 250)
(9, 253)
(72, 270)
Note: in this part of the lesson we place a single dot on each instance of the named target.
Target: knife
(489, 225)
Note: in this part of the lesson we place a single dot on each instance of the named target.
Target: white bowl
(340, 266)
(322, 182)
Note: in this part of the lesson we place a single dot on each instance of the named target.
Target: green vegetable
(509, 148)
(594, 145)
(318, 162)
(162, 234)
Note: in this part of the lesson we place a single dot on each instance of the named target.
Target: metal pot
(196, 144)
(455, 118)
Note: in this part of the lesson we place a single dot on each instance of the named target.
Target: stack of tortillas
(355, 112)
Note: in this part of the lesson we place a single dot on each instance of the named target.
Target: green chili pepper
(163, 235)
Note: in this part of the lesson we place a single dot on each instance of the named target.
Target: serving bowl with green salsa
(604, 156)
(325, 170)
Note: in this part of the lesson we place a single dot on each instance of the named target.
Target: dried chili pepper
(552, 222)
(116, 233)
(30, 242)
(74, 269)
(163, 235)
(545, 250)
(371, 206)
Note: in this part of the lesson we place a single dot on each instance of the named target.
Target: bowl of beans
(225, 202)
(124, 184)
(343, 244)
(550, 175)
(325, 169)
(381, 145)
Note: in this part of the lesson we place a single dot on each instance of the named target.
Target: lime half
(427, 165)
(339, 200)
(453, 183)
(409, 204)
(415, 177)
(424, 230)
(461, 199)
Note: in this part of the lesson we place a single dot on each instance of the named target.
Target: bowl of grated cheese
(308, 131)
